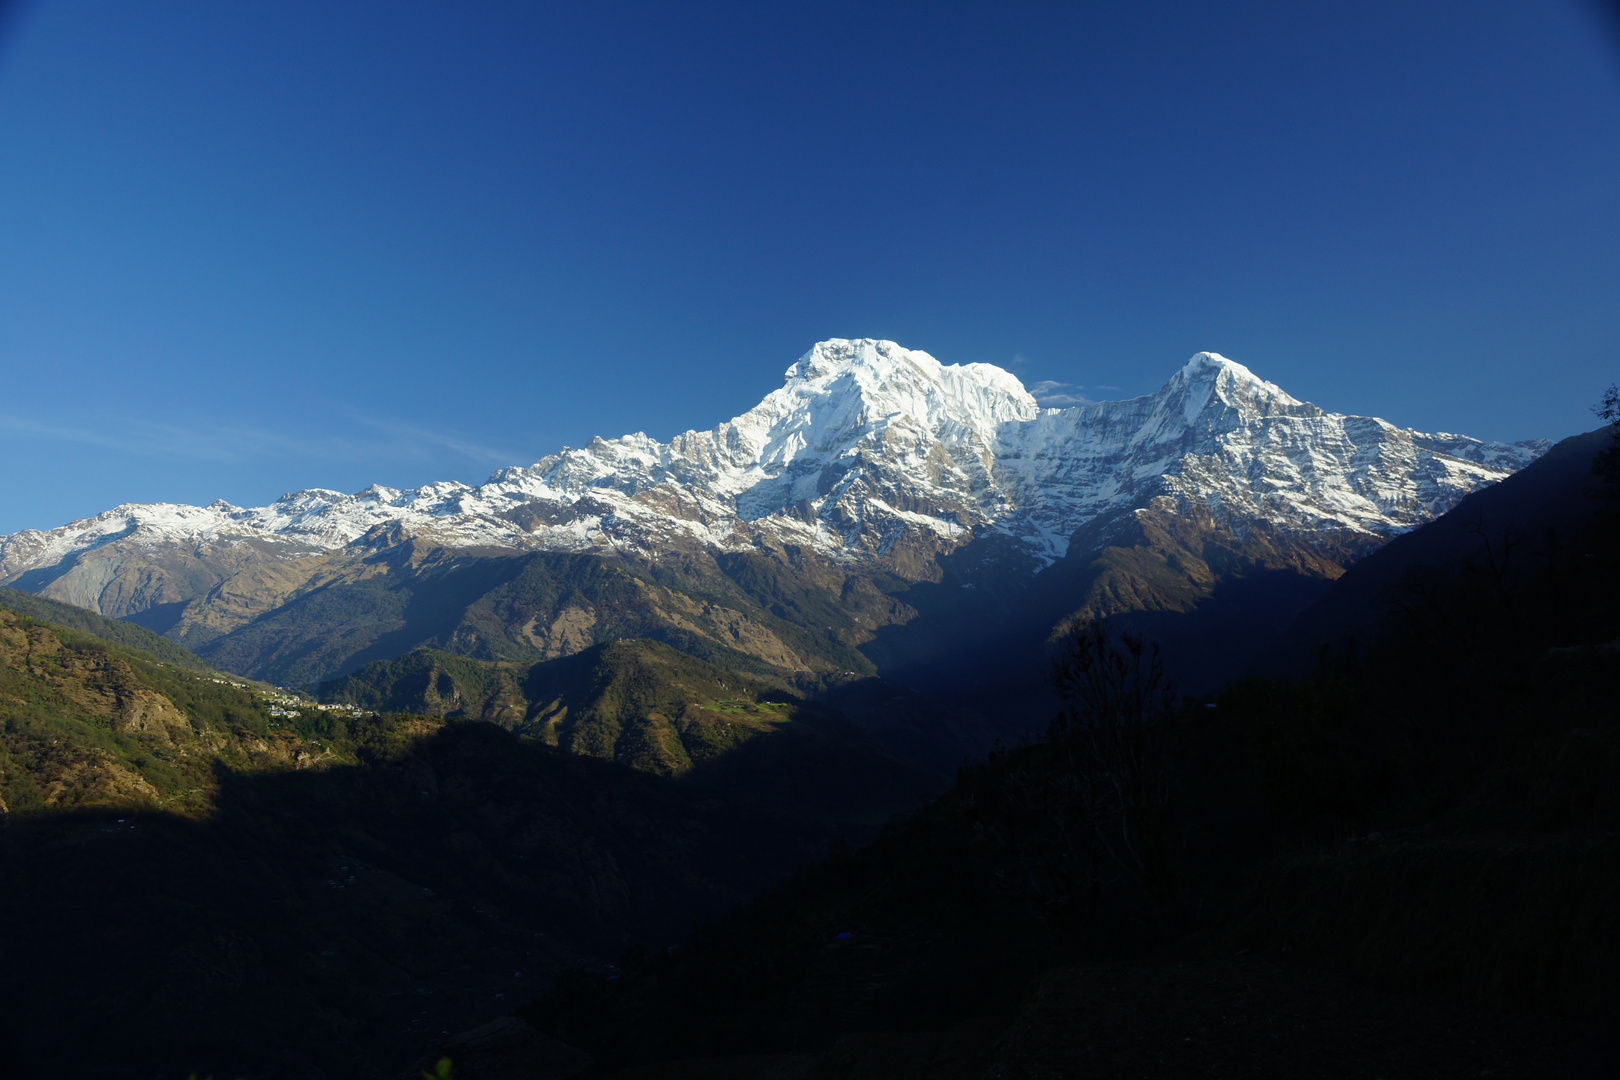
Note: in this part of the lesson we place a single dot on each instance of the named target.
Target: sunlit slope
(744, 612)
(116, 631)
(647, 705)
(85, 722)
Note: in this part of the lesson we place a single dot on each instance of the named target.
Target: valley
(747, 744)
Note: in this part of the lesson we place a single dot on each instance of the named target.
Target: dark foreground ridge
(1404, 864)
(332, 922)
(1235, 1019)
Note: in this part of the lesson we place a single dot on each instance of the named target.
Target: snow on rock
(866, 443)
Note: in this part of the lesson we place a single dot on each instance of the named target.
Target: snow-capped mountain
(867, 443)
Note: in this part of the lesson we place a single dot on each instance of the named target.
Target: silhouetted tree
(1607, 462)
(1088, 805)
(1114, 738)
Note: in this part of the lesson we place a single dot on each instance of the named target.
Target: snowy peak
(1209, 382)
(840, 386)
(868, 449)
(883, 369)
(1212, 366)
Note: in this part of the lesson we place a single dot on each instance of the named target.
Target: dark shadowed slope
(341, 919)
(1528, 521)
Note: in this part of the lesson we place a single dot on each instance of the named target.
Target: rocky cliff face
(864, 445)
(870, 459)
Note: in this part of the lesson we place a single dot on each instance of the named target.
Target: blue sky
(253, 247)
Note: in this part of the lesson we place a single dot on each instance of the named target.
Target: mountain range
(878, 513)
(682, 669)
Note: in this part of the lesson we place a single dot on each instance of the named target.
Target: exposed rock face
(870, 459)
(568, 633)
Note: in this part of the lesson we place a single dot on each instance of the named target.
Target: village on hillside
(287, 704)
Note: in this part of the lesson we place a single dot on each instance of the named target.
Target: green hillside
(84, 722)
(89, 622)
(651, 707)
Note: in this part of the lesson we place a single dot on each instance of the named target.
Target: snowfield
(866, 442)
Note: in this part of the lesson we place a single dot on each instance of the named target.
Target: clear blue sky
(253, 247)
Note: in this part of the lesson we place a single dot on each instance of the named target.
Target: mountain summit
(868, 453)
(875, 512)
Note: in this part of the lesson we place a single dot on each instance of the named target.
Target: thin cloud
(142, 439)
(238, 442)
(1054, 395)
(410, 435)
(24, 426)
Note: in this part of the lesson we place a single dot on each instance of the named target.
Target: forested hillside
(654, 708)
(208, 887)
(85, 722)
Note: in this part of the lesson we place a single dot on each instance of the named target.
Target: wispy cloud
(368, 438)
(1057, 395)
(24, 426)
(411, 435)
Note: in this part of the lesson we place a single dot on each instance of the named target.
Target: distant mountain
(880, 508)
(864, 446)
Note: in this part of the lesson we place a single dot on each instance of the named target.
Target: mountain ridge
(1530, 521)
(875, 488)
(126, 634)
(864, 440)
(651, 707)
